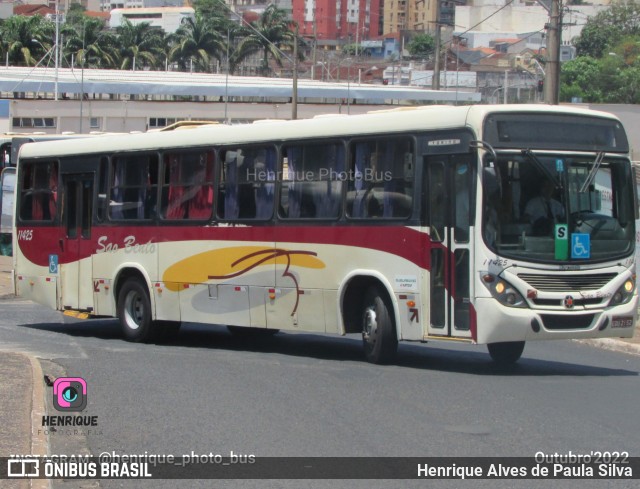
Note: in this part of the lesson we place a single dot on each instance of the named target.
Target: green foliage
(203, 39)
(611, 79)
(607, 69)
(421, 45)
(90, 44)
(607, 29)
(139, 45)
(26, 39)
(199, 41)
(268, 35)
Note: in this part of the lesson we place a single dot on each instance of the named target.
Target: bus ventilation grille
(567, 282)
(558, 321)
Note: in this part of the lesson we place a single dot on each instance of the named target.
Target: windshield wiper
(547, 173)
(592, 174)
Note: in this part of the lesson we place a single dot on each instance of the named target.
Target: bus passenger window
(381, 178)
(187, 189)
(134, 183)
(39, 194)
(247, 183)
(312, 177)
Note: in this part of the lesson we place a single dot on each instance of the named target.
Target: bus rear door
(76, 274)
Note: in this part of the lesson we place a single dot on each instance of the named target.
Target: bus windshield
(548, 207)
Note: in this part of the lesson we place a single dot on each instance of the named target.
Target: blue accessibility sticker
(53, 263)
(580, 246)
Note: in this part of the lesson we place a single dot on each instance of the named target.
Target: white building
(166, 18)
(522, 16)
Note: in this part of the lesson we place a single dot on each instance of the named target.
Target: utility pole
(435, 82)
(554, 39)
(315, 42)
(294, 92)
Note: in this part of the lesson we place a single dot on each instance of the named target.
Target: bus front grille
(564, 321)
(567, 282)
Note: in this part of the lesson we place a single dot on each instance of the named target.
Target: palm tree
(197, 39)
(26, 39)
(89, 42)
(271, 32)
(140, 45)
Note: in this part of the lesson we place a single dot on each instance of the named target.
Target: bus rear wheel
(506, 353)
(134, 311)
(378, 330)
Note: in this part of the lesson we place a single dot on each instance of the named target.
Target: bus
(10, 144)
(413, 224)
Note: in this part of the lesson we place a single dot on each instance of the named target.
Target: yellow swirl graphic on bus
(232, 262)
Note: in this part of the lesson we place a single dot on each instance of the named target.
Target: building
(166, 18)
(240, 6)
(108, 5)
(409, 15)
(500, 19)
(334, 23)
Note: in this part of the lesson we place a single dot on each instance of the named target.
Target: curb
(613, 345)
(39, 442)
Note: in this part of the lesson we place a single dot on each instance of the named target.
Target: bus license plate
(622, 322)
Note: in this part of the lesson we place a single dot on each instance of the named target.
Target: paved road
(312, 395)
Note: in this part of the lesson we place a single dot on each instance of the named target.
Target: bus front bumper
(497, 323)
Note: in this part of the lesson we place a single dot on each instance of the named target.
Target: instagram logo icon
(70, 394)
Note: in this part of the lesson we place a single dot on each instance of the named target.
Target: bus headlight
(503, 291)
(624, 293)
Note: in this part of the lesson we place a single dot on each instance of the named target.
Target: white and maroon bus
(492, 225)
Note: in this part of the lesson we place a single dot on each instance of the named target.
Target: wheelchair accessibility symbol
(580, 246)
(53, 263)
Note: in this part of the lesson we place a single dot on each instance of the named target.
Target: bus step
(77, 314)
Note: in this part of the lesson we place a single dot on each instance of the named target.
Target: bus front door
(76, 272)
(450, 206)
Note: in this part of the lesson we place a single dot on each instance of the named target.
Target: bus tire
(506, 353)
(378, 329)
(134, 311)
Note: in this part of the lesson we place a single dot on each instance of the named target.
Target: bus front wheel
(134, 311)
(506, 353)
(378, 330)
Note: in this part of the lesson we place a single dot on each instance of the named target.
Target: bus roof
(435, 117)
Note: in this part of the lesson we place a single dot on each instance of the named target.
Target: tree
(216, 13)
(580, 77)
(607, 29)
(271, 32)
(27, 39)
(197, 39)
(421, 45)
(139, 45)
(91, 45)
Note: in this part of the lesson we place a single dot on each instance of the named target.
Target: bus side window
(312, 181)
(134, 183)
(247, 183)
(39, 199)
(381, 179)
(187, 190)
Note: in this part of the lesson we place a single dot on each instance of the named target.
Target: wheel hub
(370, 323)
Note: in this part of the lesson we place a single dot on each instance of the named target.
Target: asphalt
(22, 387)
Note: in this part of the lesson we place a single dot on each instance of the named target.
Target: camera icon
(70, 394)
